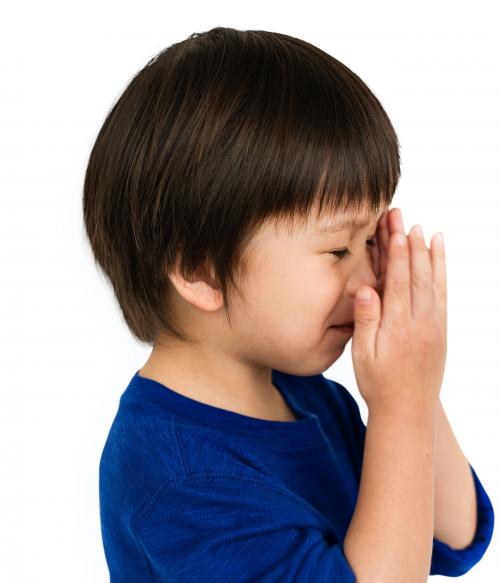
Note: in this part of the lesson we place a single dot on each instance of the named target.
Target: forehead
(348, 220)
(315, 226)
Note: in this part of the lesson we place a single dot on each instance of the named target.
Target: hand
(399, 340)
(390, 222)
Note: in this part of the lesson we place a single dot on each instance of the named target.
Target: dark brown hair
(213, 136)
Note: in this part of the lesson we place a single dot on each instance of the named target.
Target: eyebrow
(336, 226)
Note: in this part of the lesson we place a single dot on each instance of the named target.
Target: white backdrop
(67, 355)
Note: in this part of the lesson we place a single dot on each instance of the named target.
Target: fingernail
(364, 295)
(401, 219)
(399, 239)
(417, 229)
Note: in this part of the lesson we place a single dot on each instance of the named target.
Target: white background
(66, 352)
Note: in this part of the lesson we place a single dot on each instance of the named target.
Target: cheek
(310, 296)
(303, 287)
(325, 283)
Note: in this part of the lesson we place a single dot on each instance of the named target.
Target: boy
(237, 198)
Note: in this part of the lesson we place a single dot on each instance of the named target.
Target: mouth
(347, 328)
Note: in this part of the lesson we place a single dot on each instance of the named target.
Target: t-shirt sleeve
(456, 562)
(213, 527)
(445, 560)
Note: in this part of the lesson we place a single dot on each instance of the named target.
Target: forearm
(455, 506)
(390, 535)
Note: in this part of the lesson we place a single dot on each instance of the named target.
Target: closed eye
(346, 253)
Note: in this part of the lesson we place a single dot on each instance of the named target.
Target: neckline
(305, 431)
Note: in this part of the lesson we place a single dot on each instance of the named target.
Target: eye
(346, 253)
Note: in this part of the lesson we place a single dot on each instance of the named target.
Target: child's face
(296, 289)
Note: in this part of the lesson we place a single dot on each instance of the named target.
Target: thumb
(366, 318)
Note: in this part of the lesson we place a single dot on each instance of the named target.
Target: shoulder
(148, 445)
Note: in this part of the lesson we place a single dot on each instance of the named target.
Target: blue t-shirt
(194, 493)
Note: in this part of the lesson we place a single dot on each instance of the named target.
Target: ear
(201, 290)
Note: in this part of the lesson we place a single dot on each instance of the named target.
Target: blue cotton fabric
(193, 493)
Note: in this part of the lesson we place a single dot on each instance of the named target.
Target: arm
(455, 509)
(390, 535)
(445, 560)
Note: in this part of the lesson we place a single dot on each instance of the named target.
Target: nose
(363, 275)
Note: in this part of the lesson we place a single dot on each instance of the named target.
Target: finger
(394, 224)
(439, 278)
(422, 289)
(375, 256)
(383, 243)
(396, 221)
(384, 230)
(375, 259)
(397, 293)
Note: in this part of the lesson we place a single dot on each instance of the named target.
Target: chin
(334, 355)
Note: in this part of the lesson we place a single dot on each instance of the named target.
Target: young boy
(237, 198)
